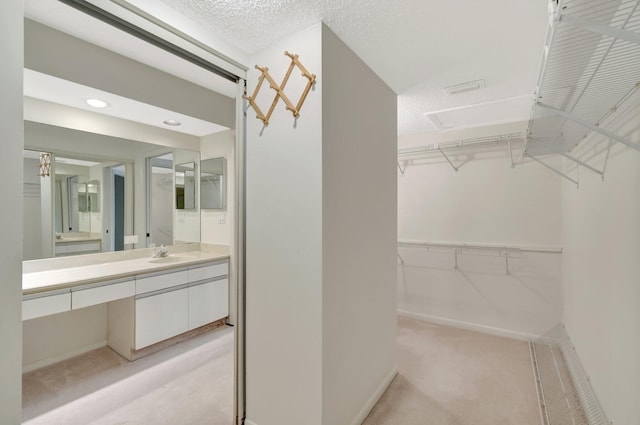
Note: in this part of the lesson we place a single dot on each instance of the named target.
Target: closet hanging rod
(476, 246)
(463, 143)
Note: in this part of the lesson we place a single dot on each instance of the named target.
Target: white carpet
(188, 383)
(446, 376)
(449, 376)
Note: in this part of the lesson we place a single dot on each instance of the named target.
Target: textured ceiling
(417, 46)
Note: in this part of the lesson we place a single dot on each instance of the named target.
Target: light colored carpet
(446, 376)
(188, 383)
(449, 376)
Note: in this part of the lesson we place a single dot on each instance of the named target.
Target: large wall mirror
(213, 184)
(89, 202)
(115, 197)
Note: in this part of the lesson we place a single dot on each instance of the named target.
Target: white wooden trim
(508, 333)
(369, 405)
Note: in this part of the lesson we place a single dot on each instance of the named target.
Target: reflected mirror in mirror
(185, 184)
(213, 184)
(88, 197)
(75, 196)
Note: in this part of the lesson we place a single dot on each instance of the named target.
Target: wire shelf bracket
(506, 140)
(553, 169)
(585, 165)
(620, 34)
(402, 169)
(590, 126)
(458, 249)
(448, 160)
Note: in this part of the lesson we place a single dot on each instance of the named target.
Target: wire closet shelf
(486, 250)
(590, 68)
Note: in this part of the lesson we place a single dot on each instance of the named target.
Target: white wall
(321, 237)
(97, 125)
(359, 231)
(61, 55)
(486, 202)
(284, 246)
(601, 272)
(11, 134)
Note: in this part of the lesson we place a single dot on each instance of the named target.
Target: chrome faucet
(161, 252)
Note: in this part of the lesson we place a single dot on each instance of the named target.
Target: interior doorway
(118, 208)
(231, 336)
(160, 200)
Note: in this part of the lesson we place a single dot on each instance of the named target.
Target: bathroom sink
(169, 259)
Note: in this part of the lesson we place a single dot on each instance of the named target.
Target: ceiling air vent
(465, 87)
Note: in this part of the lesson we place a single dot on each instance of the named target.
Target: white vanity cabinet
(161, 307)
(167, 304)
(45, 303)
(208, 301)
(160, 316)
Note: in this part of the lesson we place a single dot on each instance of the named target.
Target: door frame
(128, 18)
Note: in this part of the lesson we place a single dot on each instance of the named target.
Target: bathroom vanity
(151, 302)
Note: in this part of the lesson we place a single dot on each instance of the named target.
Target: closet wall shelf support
(553, 169)
(590, 126)
(585, 165)
(401, 168)
(607, 30)
(448, 160)
(458, 249)
(506, 140)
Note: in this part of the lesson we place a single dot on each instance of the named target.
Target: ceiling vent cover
(465, 87)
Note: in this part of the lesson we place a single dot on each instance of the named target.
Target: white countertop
(69, 272)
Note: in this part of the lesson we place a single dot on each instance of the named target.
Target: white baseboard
(55, 359)
(366, 409)
(508, 333)
(368, 406)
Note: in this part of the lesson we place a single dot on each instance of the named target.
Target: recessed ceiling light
(172, 123)
(96, 103)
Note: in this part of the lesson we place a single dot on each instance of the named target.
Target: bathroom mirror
(213, 184)
(185, 185)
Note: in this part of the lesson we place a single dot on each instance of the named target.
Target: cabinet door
(208, 302)
(161, 316)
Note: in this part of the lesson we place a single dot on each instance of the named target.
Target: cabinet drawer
(160, 281)
(77, 248)
(85, 296)
(45, 304)
(83, 247)
(208, 272)
(161, 316)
